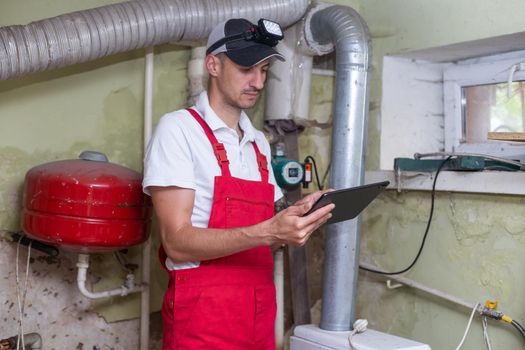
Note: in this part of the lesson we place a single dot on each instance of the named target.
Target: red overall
(229, 302)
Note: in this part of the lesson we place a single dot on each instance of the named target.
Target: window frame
(486, 70)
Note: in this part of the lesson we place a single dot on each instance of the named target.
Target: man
(207, 172)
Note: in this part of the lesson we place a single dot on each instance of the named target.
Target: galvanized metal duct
(343, 27)
(90, 34)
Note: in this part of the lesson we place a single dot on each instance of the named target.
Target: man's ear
(213, 65)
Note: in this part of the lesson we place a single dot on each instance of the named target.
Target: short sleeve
(168, 160)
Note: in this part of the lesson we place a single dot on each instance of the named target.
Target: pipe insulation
(288, 86)
(343, 27)
(94, 33)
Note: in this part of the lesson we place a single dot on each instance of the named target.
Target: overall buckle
(220, 153)
(262, 162)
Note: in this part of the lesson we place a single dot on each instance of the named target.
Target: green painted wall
(473, 248)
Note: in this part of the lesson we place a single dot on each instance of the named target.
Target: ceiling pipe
(90, 34)
(326, 26)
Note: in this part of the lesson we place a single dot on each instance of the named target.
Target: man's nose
(258, 80)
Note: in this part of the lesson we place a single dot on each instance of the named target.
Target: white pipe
(148, 95)
(146, 247)
(278, 278)
(289, 82)
(128, 287)
(197, 74)
(411, 283)
(323, 72)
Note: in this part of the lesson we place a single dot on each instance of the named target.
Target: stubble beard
(238, 103)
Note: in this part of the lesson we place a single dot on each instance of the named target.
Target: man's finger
(319, 213)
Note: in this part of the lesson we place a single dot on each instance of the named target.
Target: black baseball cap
(243, 51)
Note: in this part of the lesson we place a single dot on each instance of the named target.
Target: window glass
(487, 108)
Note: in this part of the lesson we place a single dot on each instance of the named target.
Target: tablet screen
(349, 202)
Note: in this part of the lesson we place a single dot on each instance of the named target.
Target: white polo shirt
(179, 154)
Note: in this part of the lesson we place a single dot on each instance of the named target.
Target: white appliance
(311, 337)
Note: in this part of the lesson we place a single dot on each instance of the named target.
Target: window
(484, 103)
(491, 111)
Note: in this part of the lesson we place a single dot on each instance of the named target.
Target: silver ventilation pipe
(343, 27)
(90, 34)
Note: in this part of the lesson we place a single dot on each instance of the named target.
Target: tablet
(349, 202)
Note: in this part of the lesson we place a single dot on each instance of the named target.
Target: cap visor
(250, 56)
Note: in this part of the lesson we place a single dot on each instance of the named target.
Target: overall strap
(261, 162)
(218, 148)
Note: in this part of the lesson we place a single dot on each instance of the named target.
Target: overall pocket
(223, 318)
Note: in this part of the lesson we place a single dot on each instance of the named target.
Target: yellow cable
(506, 319)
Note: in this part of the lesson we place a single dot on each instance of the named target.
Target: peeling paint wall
(473, 251)
(54, 308)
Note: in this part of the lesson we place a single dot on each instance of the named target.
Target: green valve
(288, 173)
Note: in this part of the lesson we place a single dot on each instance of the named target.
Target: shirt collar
(215, 123)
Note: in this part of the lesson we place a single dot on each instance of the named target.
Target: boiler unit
(311, 337)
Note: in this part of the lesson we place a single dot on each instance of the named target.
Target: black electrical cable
(326, 172)
(316, 172)
(519, 327)
(433, 195)
(24, 240)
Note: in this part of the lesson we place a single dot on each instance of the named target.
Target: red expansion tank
(85, 205)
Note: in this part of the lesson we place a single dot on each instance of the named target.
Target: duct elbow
(327, 26)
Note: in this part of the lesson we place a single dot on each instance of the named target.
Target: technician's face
(241, 86)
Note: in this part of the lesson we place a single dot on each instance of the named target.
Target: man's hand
(290, 226)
